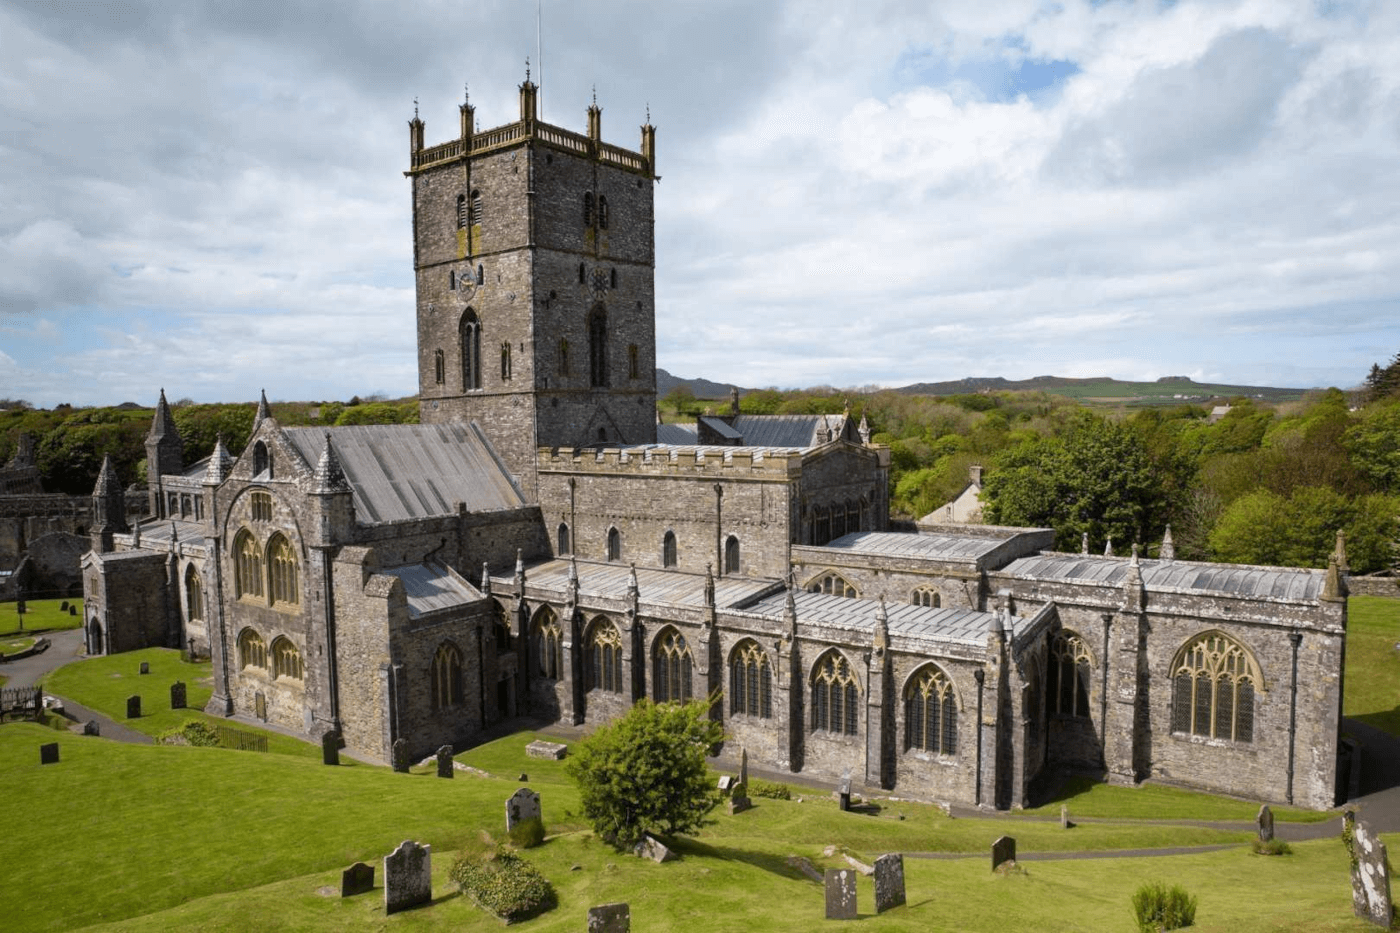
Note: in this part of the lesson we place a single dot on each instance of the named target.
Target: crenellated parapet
(728, 463)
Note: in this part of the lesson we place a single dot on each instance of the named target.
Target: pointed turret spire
(1084, 543)
(1108, 547)
(1135, 555)
(330, 477)
(1168, 551)
(263, 411)
(864, 429)
(163, 424)
(220, 461)
(107, 482)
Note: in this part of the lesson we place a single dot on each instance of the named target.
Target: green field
(40, 615)
(1373, 663)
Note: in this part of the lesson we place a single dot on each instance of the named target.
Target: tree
(645, 772)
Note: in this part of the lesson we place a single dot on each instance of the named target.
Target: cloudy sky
(208, 196)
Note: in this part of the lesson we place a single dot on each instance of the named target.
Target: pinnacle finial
(595, 95)
(527, 69)
(648, 113)
(415, 107)
(466, 94)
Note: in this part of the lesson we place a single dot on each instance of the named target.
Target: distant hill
(1102, 389)
(700, 388)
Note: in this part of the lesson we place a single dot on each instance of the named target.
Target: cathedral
(540, 546)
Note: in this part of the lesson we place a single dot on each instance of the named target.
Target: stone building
(540, 545)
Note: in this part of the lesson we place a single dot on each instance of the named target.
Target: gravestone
(444, 761)
(330, 752)
(610, 918)
(726, 784)
(889, 882)
(72, 610)
(1064, 816)
(408, 876)
(400, 755)
(840, 894)
(1003, 850)
(652, 848)
(739, 799)
(1370, 875)
(133, 707)
(357, 879)
(843, 793)
(260, 705)
(145, 667)
(522, 805)
(92, 728)
(552, 751)
(1266, 824)
(48, 754)
(744, 766)
(64, 607)
(177, 695)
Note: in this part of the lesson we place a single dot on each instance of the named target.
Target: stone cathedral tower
(534, 254)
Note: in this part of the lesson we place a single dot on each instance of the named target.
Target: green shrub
(527, 833)
(1272, 847)
(770, 789)
(503, 883)
(194, 732)
(1158, 908)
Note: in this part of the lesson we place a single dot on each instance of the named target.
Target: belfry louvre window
(1214, 680)
(286, 659)
(462, 219)
(252, 650)
(835, 696)
(1067, 675)
(247, 565)
(445, 678)
(478, 210)
(673, 664)
(282, 571)
(547, 637)
(833, 584)
(605, 658)
(750, 681)
(931, 712)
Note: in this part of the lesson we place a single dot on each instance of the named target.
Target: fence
(22, 703)
(243, 741)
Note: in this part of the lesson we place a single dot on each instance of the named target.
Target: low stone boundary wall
(1374, 586)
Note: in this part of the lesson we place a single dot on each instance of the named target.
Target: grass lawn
(15, 644)
(1087, 797)
(103, 684)
(1373, 665)
(40, 615)
(210, 839)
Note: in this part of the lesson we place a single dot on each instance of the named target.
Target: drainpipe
(1296, 638)
(980, 676)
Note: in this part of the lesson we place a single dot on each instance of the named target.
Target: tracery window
(252, 650)
(262, 506)
(832, 584)
(673, 665)
(598, 348)
(605, 657)
(445, 677)
(731, 555)
(470, 332)
(835, 696)
(247, 566)
(1214, 680)
(286, 659)
(1067, 671)
(750, 681)
(926, 596)
(282, 571)
(930, 712)
(547, 638)
(614, 545)
(194, 596)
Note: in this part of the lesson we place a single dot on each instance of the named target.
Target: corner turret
(108, 507)
(165, 455)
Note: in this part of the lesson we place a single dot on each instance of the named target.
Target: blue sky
(209, 197)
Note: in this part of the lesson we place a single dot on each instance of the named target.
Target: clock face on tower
(599, 282)
(466, 283)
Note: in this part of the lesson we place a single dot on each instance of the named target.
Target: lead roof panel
(430, 587)
(1226, 579)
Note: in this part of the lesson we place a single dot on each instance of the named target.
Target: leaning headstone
(652, 848)
(610, 918)
(889, 882)
(843, 793)
(177, 695)
(330, 751)
(400, 755)
(145, 667)
(840, 894)
(91, 727)
(48, 754)
(72, 610)
(1266, 824)
(408, 876)
(726, 784)
(444, 761)
(357, 879)
(1064, 816)
(1003, 850)
(552, 751)
(522, 805)
(133, 707)
(1370, 876)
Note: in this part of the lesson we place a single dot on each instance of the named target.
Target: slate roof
(925, 546)
(680, 435)
(722, 429)
(157, 531)
(671, 587)
(1288, 583)
(430, 587)
(407, 471)
(785, 430)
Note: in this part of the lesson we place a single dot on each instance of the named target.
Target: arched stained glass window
(673, 662)
(605, 657)
(286, 659)
(1067, 671)
(282, 572)
(750, 681)
(1214, 682)
(546, 637)
(835, 696)
(930, 712)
